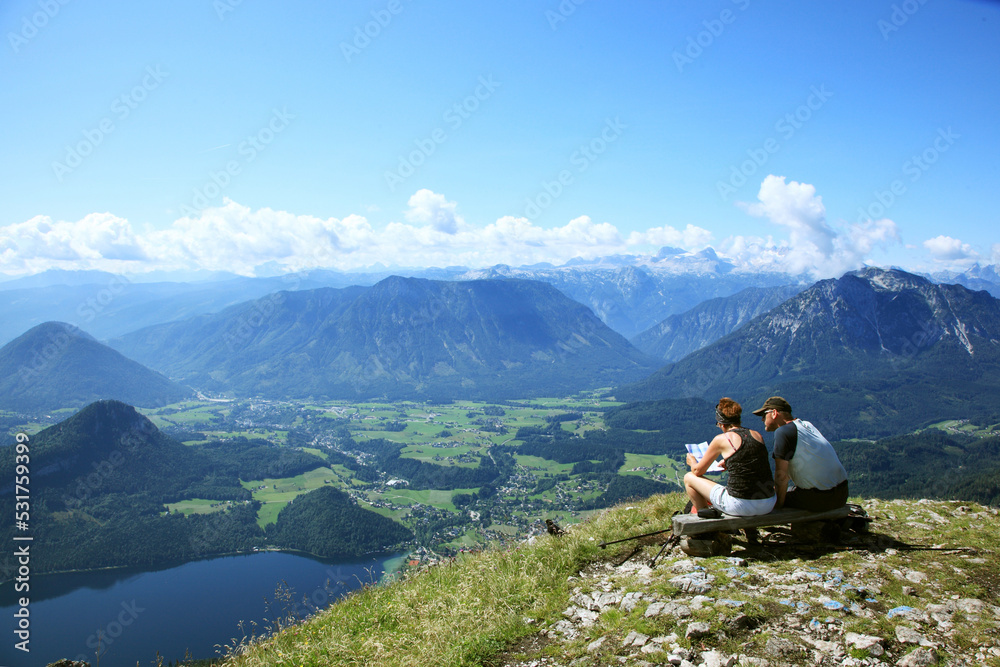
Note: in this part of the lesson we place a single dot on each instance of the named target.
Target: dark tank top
(748, 469)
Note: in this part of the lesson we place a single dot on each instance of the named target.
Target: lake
(190, 609)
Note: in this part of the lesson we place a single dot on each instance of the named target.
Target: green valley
(250, 474)
(449, 436)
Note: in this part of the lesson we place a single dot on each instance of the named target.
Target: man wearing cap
(804, 456)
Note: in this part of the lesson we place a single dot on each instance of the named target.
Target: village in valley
(462, 434)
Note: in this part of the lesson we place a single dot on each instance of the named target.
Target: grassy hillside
(921, 588)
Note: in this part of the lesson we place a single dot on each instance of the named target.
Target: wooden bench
(689, 524)
(711, 537)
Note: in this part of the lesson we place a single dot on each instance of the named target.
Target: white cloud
(232, 237)
(235, 238)
(813, 246)
(691, 237)
(947, 249)
(797, 207)
(428, 207)
(40, 242)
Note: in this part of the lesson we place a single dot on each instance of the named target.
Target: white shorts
(738, 506)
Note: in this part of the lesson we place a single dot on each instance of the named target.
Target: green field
(274, 494)
(660, 465)
(445, 456)
(197, 506)
(540, 466)
(439, 498)
(457, 434)
(468, 540)
(966, 428)
(189, 414)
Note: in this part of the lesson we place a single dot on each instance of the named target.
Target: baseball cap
(774, 403)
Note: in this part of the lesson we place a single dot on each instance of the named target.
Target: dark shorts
(815, 500)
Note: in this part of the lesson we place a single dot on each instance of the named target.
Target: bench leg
(707, 544)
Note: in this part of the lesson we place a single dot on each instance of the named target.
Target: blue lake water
(191, 609)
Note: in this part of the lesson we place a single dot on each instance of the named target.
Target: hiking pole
(635, 537)
(669, 544)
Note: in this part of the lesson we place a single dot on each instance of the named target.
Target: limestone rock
(655, 609)
(694, 582)
(629, 601)
(865, 643)
(635, 639)
(922, 657)
(970, 606)
(697, 630)
(907, 635)
(717, 659)
(781, 648)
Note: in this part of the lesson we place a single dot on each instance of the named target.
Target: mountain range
(872, 352)
(401, 338)
(679, 335)
(861, 347)
(630, 293)
(55, 365)
(631, 296)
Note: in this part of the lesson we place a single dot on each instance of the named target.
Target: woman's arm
(711, 454)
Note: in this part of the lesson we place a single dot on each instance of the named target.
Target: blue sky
(250, 136)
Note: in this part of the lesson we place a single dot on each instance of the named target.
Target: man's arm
(785, 440)
(780, 481)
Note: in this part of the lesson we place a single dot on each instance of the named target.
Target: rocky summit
(919, 587)
(862, 603)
